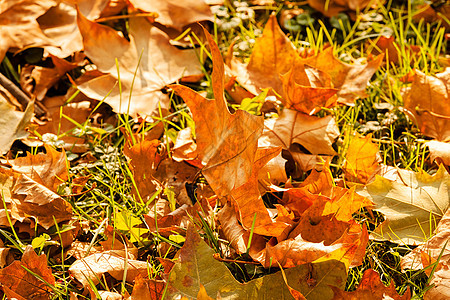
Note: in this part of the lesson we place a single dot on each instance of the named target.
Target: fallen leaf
(306, 95)
(184, 148)
(439, 151)
(371, 288)
(26, 198)
(145, 288)
(13, 123)
(427, 103)
(59, 25)
(196, 266)
(146, 64)
(362, 159)
(143, 160)
(392, 50)
(252, 212)
(350, 79)
(92, 267)
(176, 13)
(19, 28)
(315, 134)
(226, 142)
(432, 247)
(273, 54)
(43, 78)
(48, 169)
(18, 278)
(411, 204)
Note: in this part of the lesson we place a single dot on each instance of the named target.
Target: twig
(19, 94)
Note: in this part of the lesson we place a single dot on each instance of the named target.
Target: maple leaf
(433, 247)
(196, 266)
(314, 133)
(28, 278)
(371, 288)
(26, 198)
(13, 123)
(226, 143)
(48, 169)
(391, 49)
(439, 152)
(19, 28)
(307, 89)
(409, 203)
(176, 13)
(362, 159)
(273, 54)
(350, 79)
(427, 103)
(145, 288)
(146, 64)
(92, 267)
(41, 79)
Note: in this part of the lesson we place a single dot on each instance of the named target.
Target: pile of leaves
(213, 150)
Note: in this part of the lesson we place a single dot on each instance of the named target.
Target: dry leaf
(439, 151)
(145, 288)
(48, 169)
(252, 212)
(19, 28)
(13, 123)
(350, 79)
(362, 159)
(196, 266)
(226, 142)
(315, 134)
(427, 102)
(159, 62)
(59, 25)
(95, 265)
(411, 204)
(17, 280)
(176, 13)
(371, 288)
(273, 54)
(308, 95)
(26, 198)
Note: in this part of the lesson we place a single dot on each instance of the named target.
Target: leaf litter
(136, 185)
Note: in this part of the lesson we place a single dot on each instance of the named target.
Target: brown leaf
(350, 79)
(44, 78)
(362, 160)
(27, 198)
(371, 288)
(13, 123)
(273, 54)
(176, 13)
(392, 50)
(252, 212)
(16, 280)
(145, 288)
(95, 265)
(59, 25)
(226, 142)
(315, 134)
(49, 169)
(19, 26)
(143, 161)
(439, 152)
(306, 95)
(427, 102)
(159, 62)
(185, 148)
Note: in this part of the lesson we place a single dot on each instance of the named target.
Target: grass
(110, 183)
